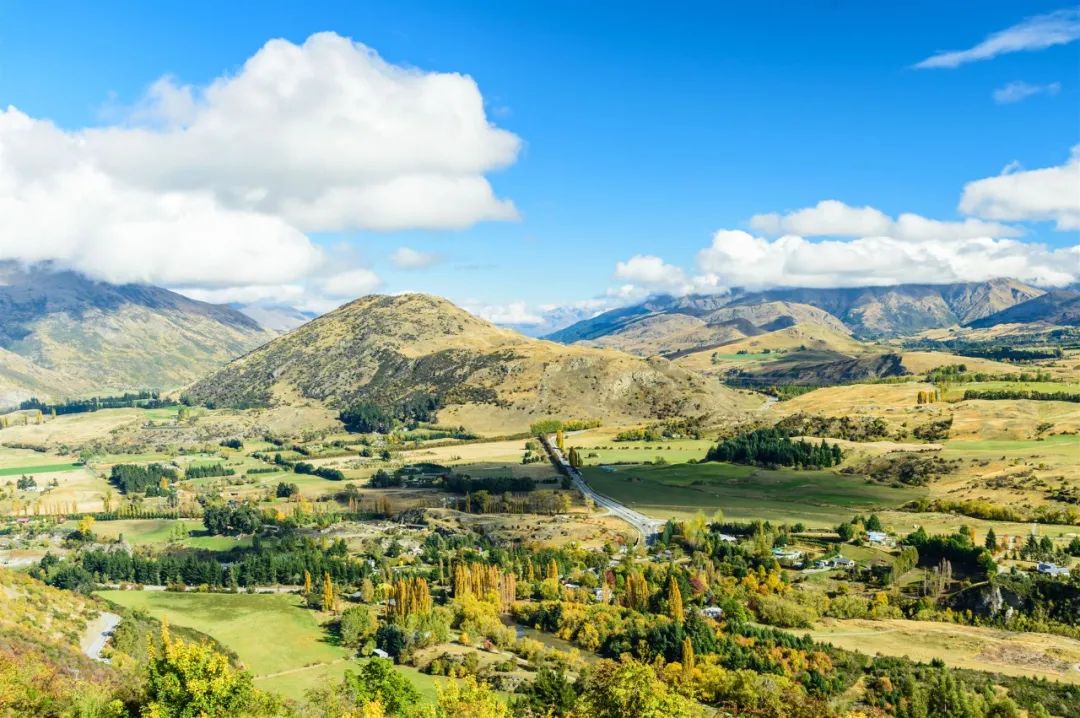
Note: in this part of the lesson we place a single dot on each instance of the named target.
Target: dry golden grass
(922, 362)
(585, 529)
(1035, 655)
(811, 336)
(1012, 419)
(71, 429)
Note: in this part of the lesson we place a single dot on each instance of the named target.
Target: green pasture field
(674, 451)
(275, 637)
(144, 532)
(815, 498)
(39, 469)
(271, 633)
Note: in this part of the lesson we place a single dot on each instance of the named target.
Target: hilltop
(72, 335)
(415, 349)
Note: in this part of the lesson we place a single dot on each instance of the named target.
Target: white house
(834, 562)
(713, 612)
(879, 537)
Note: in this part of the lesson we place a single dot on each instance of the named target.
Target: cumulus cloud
(216, 187)
(862, 246)
(737, 258)
(406, 258)
(832, 218)
(649, 270)
(1019, 91)
(1047, 194)
(1035, 33)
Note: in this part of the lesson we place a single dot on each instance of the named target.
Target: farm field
(1036, 655)
(674, 451)
(904, 522)
(271, 633)
(145, 532)
(39, 469)
(744, 493)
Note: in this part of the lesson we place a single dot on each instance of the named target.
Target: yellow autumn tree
(675, 604)
(470, 699)
(328, 593)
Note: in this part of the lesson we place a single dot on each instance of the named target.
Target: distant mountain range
(64, 335)
(1058, 308)
(671, 324)
(405, 350)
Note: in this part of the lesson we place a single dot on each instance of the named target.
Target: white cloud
(1035, 33)
(349, 284)
(828, 217)
(216, 186)
(736, 258)
(513, 313)
(649, 270)
(1047, 194)
(832, 218)
(406, 258)
(1018, 91)
(865, 246)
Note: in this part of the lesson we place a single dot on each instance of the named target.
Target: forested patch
(152, 479)
(773, 447)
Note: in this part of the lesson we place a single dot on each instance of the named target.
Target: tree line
(1031, 395)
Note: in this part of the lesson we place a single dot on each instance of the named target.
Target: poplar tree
(675, 604)
(328, 592)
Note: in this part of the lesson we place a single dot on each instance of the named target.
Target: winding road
(647, 527)
(97, 635)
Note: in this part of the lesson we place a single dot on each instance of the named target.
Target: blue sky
(644, 128)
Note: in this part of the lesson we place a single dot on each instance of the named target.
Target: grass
(278, 640)
(40, 469)
(271, 633)
(815, 498)
(745, 356)
(146, 532)
(140, 532)
(673, 451)
(1035, 655)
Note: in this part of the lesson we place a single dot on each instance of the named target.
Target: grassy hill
(393, 350)
(672, 333)
(73, 335)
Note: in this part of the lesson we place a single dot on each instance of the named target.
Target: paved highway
(644, 525)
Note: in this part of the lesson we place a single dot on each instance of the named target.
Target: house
(878, 537)
(834, 562)
(380, 653)
(1051, 569)
(727, 538)
(787, 554)
(713, 612)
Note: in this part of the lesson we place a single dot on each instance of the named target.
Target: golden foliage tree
(675, 604)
